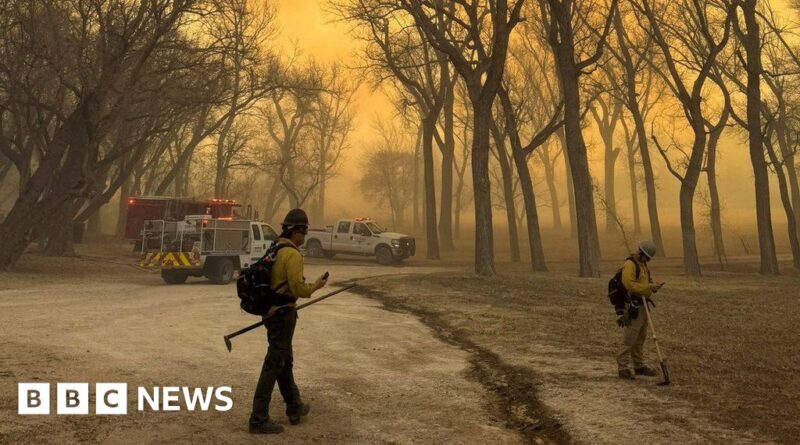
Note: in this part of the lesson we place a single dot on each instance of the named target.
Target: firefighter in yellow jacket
(633, 319)
(287, 279)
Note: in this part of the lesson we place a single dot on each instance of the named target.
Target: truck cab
(359, 236)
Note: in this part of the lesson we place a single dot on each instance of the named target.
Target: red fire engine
(170, 208)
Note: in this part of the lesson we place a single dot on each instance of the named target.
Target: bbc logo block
(33, 398)
(112, 398)
(72, 398)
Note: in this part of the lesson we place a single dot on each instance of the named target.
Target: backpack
(256, 295)
(617, 294)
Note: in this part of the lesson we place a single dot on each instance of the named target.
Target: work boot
(645, 371)
(625, 374)
(300, 412)
(267, 427)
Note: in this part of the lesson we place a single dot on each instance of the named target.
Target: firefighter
(287, 278)
(639, 285)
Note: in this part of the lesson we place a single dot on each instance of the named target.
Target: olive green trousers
(633, 338)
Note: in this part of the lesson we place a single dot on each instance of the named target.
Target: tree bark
(448, 158)
(752, 46)
(633, 179)
(508, 193)
(713, 195)
(481, 188)
(606, 124)
(691, 259)
(783, 188)
(122, 208)
(431, 229)
(538, 263)
(94, 224)
(416, 198)
(579, 164)
(550, 178)
(573, 224)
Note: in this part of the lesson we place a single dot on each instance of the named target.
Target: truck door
(270, 236)
(342, 239)
(363, 238)
(258, 244)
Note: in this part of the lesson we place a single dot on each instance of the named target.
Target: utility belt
(636, 302)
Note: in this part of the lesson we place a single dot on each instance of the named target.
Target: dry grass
(731, 337)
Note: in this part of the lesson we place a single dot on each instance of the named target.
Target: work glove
(622, 317)
(633, 310)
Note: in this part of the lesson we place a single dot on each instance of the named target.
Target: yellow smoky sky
(308, 26)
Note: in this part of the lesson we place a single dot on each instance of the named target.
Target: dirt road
(372, 376)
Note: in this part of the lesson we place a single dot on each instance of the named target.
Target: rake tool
(260, 323)
(662, 361)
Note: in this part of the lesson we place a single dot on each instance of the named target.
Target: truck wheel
(314, 249)
(173, 276)
(384, 255)
(221, 271)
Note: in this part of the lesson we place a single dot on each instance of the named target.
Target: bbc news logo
(112, 398)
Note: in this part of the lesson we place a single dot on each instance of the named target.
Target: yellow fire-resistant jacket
(640, 287)
(287, 272)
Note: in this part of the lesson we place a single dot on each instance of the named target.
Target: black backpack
(617, 294)
(253, 285)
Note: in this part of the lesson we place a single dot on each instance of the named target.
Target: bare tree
(332, 124)
(476, 43)
(387, 174)
(607, 114)
(571, 60)
(404, 53)
(750, 38)
(137, 56)
(690, 36)
(636, 66)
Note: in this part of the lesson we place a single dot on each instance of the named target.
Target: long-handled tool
(255, 325)
(662, 361)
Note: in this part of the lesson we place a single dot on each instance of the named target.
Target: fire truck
(203, 246)
(172, 208)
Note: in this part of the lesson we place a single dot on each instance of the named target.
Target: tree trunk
(122, 208)
(579, 167)
(788, 156)
(637, 224)
(691, 260)
(573, 225)
(791, 221)
(609, 191)
(417, 150)
(457, 212)
(481, 185)
(94, 223)
(59, 239)
(448, 158)
(713, 194)
(321, 201)
(526, 183)
(508, 193)
(752, 45)
(550, 179)
(431, 230)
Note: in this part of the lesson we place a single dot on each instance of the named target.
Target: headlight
(395, 243)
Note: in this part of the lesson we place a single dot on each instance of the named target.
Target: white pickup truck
(359, 237)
